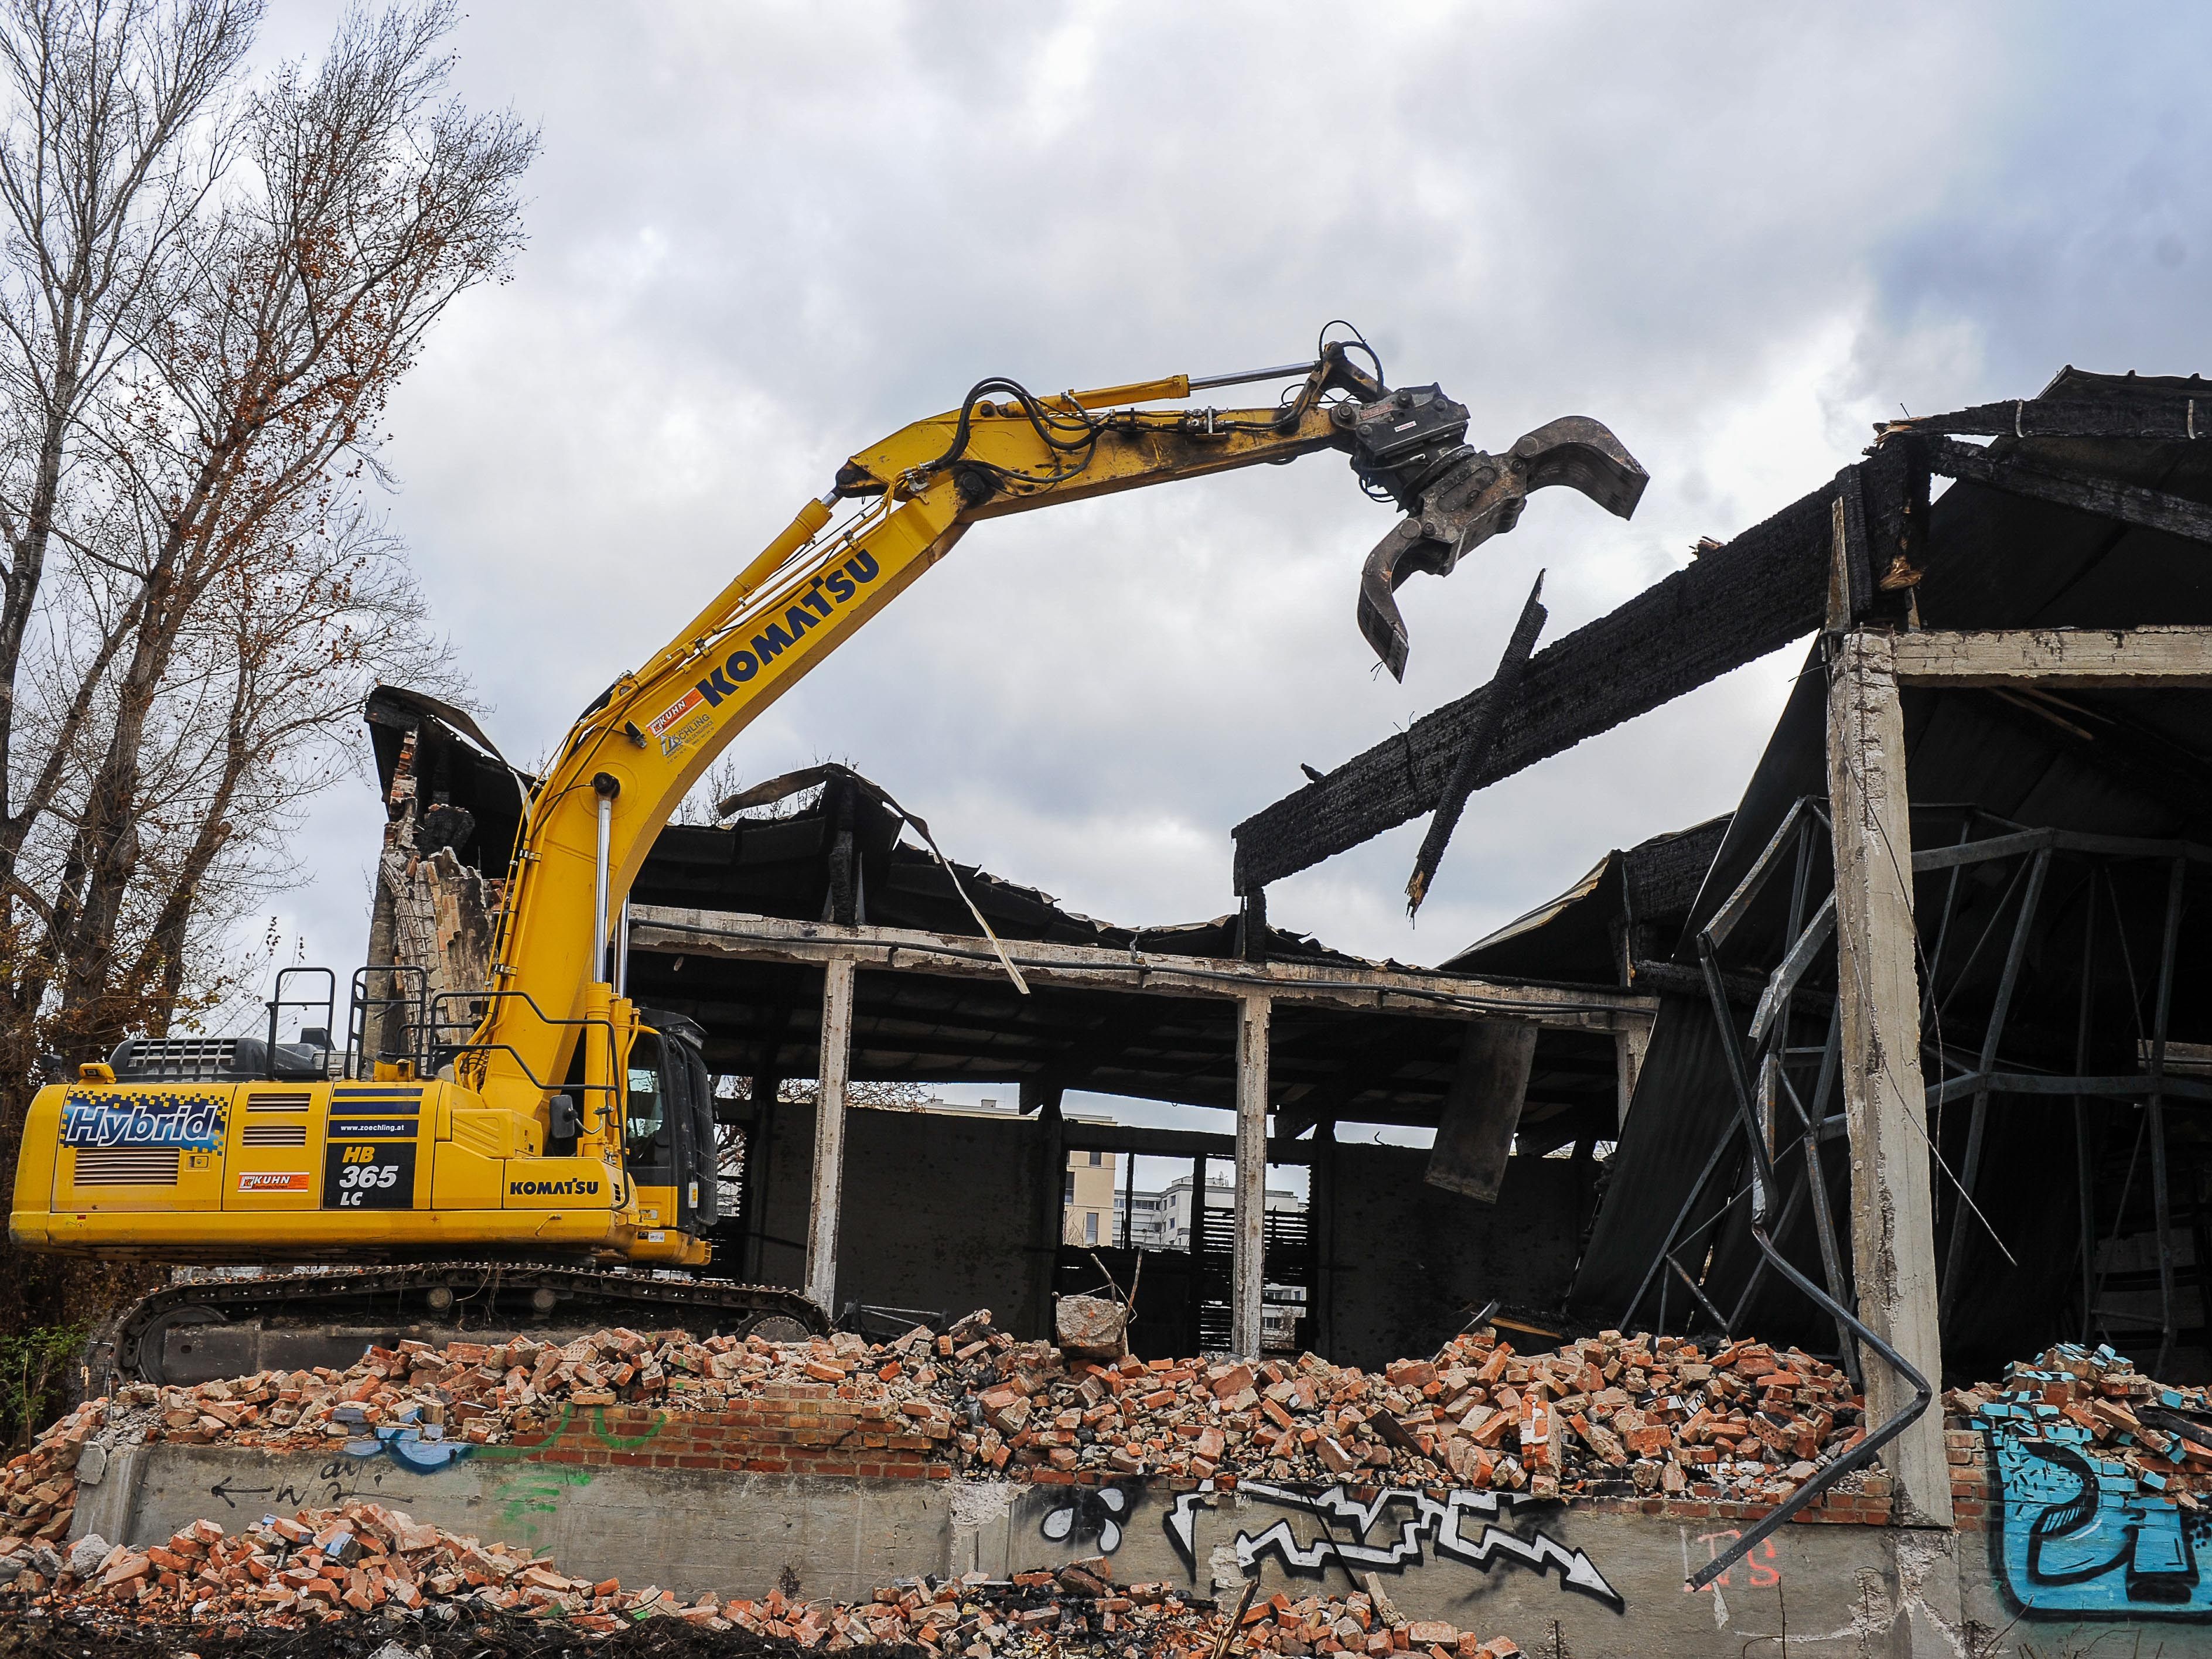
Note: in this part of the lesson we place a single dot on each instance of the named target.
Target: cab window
(646, 1110)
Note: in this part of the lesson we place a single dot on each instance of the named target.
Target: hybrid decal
(1432, 1519)
(568, 1188)
(822, 596)
(194, 1123)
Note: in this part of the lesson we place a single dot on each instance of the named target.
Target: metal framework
(1783, 1086)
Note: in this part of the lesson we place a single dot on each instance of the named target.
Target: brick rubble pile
(364, 1559)
(1609, 1416)
(2132, 1428)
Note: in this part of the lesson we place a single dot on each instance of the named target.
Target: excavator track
(225, 1328)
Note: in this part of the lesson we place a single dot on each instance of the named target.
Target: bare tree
(208, 294)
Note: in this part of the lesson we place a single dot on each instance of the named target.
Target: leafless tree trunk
(210, 292)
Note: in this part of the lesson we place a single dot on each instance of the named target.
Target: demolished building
(1898, 1059)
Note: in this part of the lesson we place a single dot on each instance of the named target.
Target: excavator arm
(552, 1021)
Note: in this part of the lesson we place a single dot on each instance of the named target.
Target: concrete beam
(1248, 1273)
(837, 1069)
(2079, 659)
(681, 930)
(1892, 1216)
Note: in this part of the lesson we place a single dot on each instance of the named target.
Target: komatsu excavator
(548, 1136)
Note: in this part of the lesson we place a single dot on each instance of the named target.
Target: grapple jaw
(1461, 497)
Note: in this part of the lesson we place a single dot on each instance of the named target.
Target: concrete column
(1051, 1226)
(835, 1070)
(1893, 1216)
(1320, 1198)
(1628, 1047)
(1249, 1273)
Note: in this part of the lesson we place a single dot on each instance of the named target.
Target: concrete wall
(939, 1211)
(1588, 1580)
(1411, 1261)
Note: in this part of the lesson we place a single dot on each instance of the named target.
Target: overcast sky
(764, 236)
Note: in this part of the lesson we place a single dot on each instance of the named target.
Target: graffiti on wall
(2080, 1537)
(364, 1462)
(1458, 1526)
(1098, 1512)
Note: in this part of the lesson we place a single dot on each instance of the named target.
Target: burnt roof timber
(2098, 407)
(1370, 990)
(1731, 606)
(2152, 509)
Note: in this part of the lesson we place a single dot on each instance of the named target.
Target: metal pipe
(606, 788)
(1852, 1461)
(1763, 1183)
(621, 948)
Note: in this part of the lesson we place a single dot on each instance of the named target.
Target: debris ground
(1607, 1416)
(1613, 1415)
(332, 1569)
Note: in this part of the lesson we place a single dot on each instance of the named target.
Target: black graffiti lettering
(1432, 1519)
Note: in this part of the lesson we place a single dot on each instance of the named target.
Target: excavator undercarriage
(226, 1327)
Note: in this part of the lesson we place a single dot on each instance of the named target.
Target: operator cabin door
(667, 1088)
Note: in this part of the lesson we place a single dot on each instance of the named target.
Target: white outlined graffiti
(1436, 1519)
(1090, 1512)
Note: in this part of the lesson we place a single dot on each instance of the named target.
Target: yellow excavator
(548, 1130)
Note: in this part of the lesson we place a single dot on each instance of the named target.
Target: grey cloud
(764, 234)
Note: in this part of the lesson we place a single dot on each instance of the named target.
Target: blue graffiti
(2080, 1536)
(418, 1448)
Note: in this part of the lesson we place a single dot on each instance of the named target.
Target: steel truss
(1782, 1087)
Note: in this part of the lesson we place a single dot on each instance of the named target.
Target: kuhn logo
(571, 1188)
(675, 711)
(281, 1181)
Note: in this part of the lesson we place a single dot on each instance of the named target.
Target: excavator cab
(669, 1149)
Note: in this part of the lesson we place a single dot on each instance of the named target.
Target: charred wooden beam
(2152, 509)
(2131, 412)
(1730, 607)
(1505, 691)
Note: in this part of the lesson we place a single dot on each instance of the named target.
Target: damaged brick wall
(432, 911)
